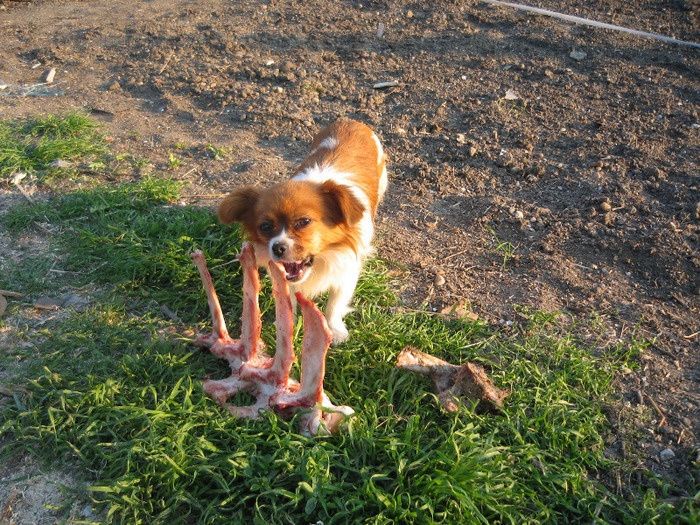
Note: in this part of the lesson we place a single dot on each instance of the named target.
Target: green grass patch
(101, 389)
(32, 144)
(131, 237)
(104, 391)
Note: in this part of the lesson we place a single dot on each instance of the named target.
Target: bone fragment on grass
(219, 341)
(267, 378)
(455, 384)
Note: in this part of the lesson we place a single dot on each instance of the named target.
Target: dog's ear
(342, 206)
(239, 205)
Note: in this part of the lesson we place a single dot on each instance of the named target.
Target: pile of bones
(267, 378)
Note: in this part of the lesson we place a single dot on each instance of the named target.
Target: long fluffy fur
(320, 223)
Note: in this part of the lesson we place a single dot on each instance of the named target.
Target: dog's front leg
(338, 306)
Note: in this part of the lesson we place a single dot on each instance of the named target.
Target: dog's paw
(340, 333)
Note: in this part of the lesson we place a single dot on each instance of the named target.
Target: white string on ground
(589, 22)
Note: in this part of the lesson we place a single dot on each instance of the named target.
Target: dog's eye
(301, 223)
(266, 227)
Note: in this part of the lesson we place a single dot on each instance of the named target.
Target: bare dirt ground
(576, 145)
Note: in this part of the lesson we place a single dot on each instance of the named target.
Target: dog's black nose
(278, 249)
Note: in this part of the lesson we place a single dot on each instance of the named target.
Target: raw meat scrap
(267, 378)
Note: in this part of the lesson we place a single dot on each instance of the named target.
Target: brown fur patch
(356, 153)
(286, 206)
(239, 205)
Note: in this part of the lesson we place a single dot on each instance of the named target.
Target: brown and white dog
(320, 223)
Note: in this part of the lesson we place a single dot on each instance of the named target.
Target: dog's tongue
(293, 270)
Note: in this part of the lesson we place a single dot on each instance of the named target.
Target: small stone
(114, 86)
(59, 164)
(439, 280)
(518, 214)
(17, 177)
(511, 95)
(381, 27)
(667, 454)
(473, 152)
(287, 66)
(578, 55)
(605, 206)
(504, 159)
(409, 14)
(50, 75)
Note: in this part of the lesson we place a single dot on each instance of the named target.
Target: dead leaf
(176, 334)
(8, 293)
(460, 310)
(74, 300)
(60, 164)
(48, 303)
(169, 313)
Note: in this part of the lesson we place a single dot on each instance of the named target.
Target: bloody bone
(453, 382)
(267, 378)
(219, 341)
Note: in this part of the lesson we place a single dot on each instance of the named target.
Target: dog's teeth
(293, 270)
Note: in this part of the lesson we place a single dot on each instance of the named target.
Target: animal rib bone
(267, 378)
(455, 384)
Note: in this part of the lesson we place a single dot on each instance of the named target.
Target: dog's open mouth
(298, 270)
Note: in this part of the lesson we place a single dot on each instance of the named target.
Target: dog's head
(295, 221)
